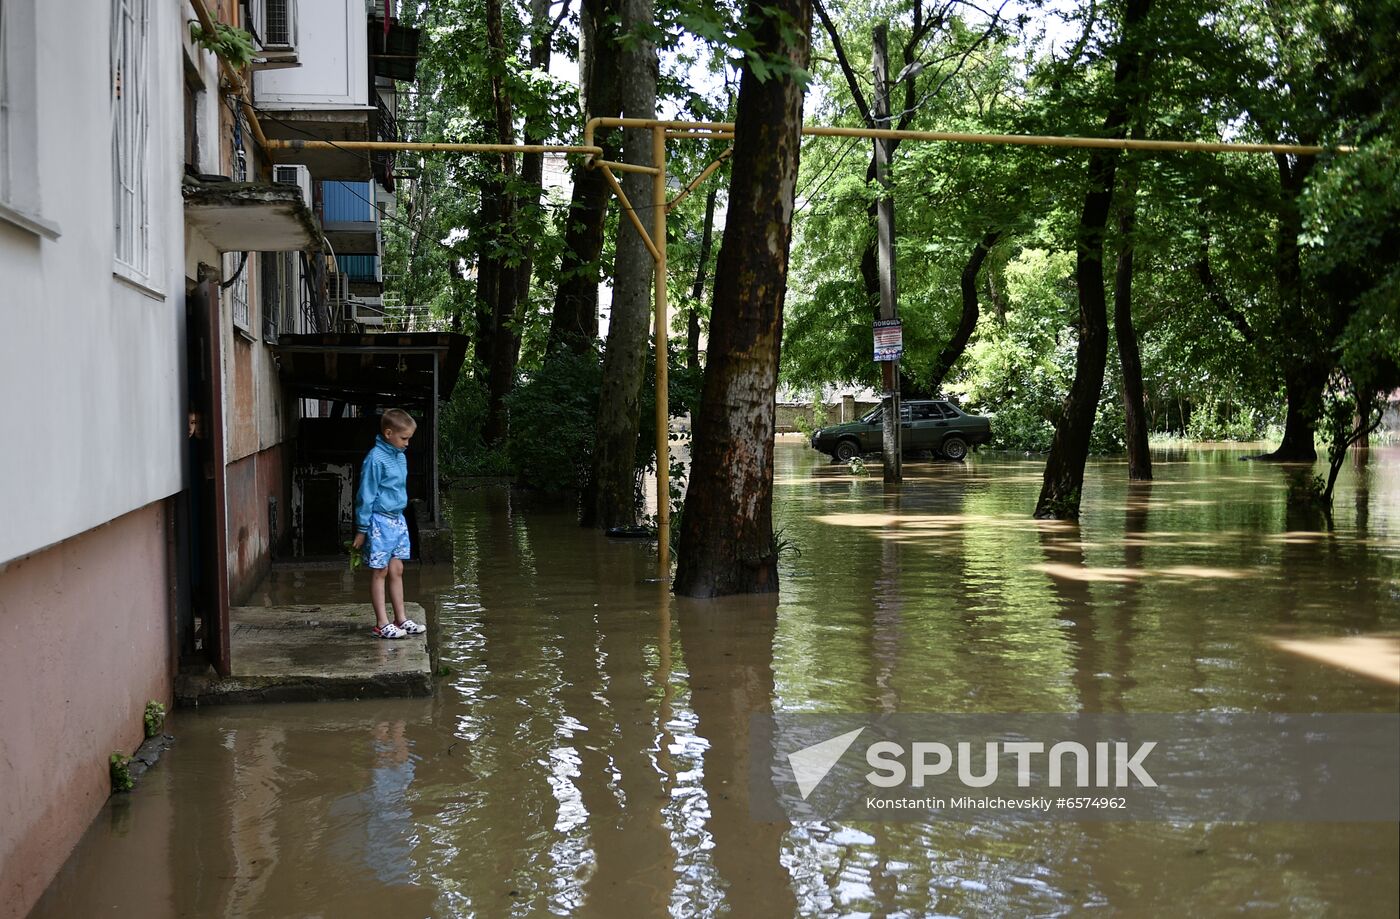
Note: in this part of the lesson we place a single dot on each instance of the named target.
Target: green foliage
(553, 415)
(119, 766)
(231, 44)
(463, 417)
(154, 718)
(356, 556)
(809, 422)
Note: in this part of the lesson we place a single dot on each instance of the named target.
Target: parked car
(932, 424)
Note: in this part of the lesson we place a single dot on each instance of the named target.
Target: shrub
(553, 415)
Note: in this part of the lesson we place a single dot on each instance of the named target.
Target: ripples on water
(586, 752)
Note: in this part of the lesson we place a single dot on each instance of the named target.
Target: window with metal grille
(277, 23)
(278, 286)
(238, 290)
(130, 125)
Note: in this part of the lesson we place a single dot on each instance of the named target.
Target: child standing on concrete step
(380, 526)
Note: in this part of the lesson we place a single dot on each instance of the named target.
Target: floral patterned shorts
(387, 538)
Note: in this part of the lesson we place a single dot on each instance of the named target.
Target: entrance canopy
(364, 368)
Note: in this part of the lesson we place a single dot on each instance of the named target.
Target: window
(277, 285)
(130, 122)
(926, 411)
(19, 161)
(236, 267)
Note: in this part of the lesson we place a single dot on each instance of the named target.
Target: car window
(924, 411)
(877, 416)
(945, 410)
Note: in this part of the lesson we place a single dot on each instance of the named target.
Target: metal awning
(406, 369)
(251, 216)
(364, 368)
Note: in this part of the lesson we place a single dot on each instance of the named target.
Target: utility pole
(884, 224)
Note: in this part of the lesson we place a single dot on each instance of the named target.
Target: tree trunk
(1064, 468)
(1302, 384)
(574, 322)
(1300, 341)
(970, 311)
(487, 276)
(504, 340)
(614, 490)
(1134, 408)
(532, 164)
(727, 530)
(692, 327)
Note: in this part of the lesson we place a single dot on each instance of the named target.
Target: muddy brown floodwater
(586, 754)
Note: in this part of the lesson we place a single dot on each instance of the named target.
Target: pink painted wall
(85, 641)
(250, 482)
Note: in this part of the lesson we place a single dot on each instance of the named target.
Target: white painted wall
(90, 364)
(333, 47)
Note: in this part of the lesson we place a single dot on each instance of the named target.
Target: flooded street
(586, 749)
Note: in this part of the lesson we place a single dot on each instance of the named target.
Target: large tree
(613, 487)
(1064, 468)
(727, 543)
(574, 321)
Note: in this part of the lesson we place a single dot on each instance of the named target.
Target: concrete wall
(788, 414)
(252, 532)
(333, 46)
(85, 642)
(91, 358)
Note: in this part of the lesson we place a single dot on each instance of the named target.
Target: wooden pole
(884, 226)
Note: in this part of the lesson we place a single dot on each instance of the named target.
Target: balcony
(350, 218)
(251, 216)
(327, 97)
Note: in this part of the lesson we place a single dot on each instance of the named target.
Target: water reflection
(588, 750)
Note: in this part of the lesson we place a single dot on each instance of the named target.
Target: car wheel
(846, 451)
(955, 448)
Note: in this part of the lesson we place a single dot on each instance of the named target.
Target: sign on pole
(889, 339)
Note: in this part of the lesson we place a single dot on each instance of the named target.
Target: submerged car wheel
(955, 448)
(846, 451)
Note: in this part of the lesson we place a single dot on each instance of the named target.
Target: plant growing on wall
(120, 766)
(231, 44)
(154, 718)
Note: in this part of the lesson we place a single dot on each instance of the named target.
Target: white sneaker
(389, 630)
(411, 627)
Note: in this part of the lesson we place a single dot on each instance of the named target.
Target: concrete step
(305, 653)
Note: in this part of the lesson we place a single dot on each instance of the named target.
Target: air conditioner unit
(275, 22)
(367, 310)
(300, 176)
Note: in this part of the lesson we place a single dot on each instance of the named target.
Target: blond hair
(398, 420)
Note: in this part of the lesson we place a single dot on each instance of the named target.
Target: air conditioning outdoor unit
(367, 310)
(300, 176)
(276, 24)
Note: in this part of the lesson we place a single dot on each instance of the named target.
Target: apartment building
(162, 274)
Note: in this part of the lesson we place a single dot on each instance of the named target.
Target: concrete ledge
(311, 653)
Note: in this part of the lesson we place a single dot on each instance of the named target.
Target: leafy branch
(227, 43)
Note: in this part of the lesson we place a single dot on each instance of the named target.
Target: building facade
(152, 256)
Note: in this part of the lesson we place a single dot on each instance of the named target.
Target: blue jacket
(383, 483)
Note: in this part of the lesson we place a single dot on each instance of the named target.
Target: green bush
(119, 765)
(463, 418)
(154, 718)
(553, 415)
